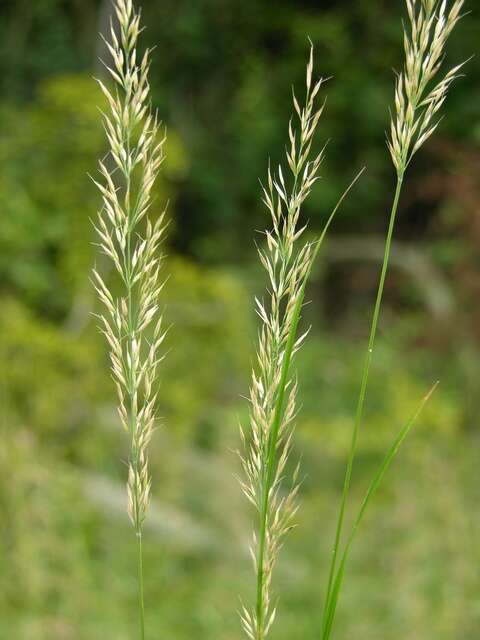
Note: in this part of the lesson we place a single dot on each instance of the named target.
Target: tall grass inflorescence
(132, 322)
(419, 95)
(286, 259)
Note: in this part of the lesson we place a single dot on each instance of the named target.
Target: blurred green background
(222, 77)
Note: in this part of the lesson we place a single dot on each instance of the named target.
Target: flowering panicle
(132, 323)
(286, 260)
(417, 98)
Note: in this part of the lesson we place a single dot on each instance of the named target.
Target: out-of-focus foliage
(46, 150)
(68, 566)
(222, 77)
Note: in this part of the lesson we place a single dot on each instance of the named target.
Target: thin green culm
(419, 95)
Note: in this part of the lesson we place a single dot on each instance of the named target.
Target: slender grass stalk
(273, 388)
(141, 598)
(363, 390)
(292, 338)
(372, 489)
(417, 102)
(132, 323)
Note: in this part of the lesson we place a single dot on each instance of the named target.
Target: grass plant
(132, 323)
(419, 97)
(288, 264)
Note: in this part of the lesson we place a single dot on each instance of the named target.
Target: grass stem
(279, 408)
(372, 489)
(141, 600)
(361, 398)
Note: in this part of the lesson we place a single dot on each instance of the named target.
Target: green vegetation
(221, 79)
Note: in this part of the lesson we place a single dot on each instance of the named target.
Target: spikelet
(419, 94)
(132, 323)
(286, 259)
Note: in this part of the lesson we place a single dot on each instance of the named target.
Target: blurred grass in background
(222, 74)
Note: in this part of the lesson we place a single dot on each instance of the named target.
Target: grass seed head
(286, 259)
(419, 94)
(132, 244)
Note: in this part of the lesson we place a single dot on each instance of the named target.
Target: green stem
(271, 458)
(140, 585)
(374, 485)
(132, 319)
(279, 408)
(361, 398)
